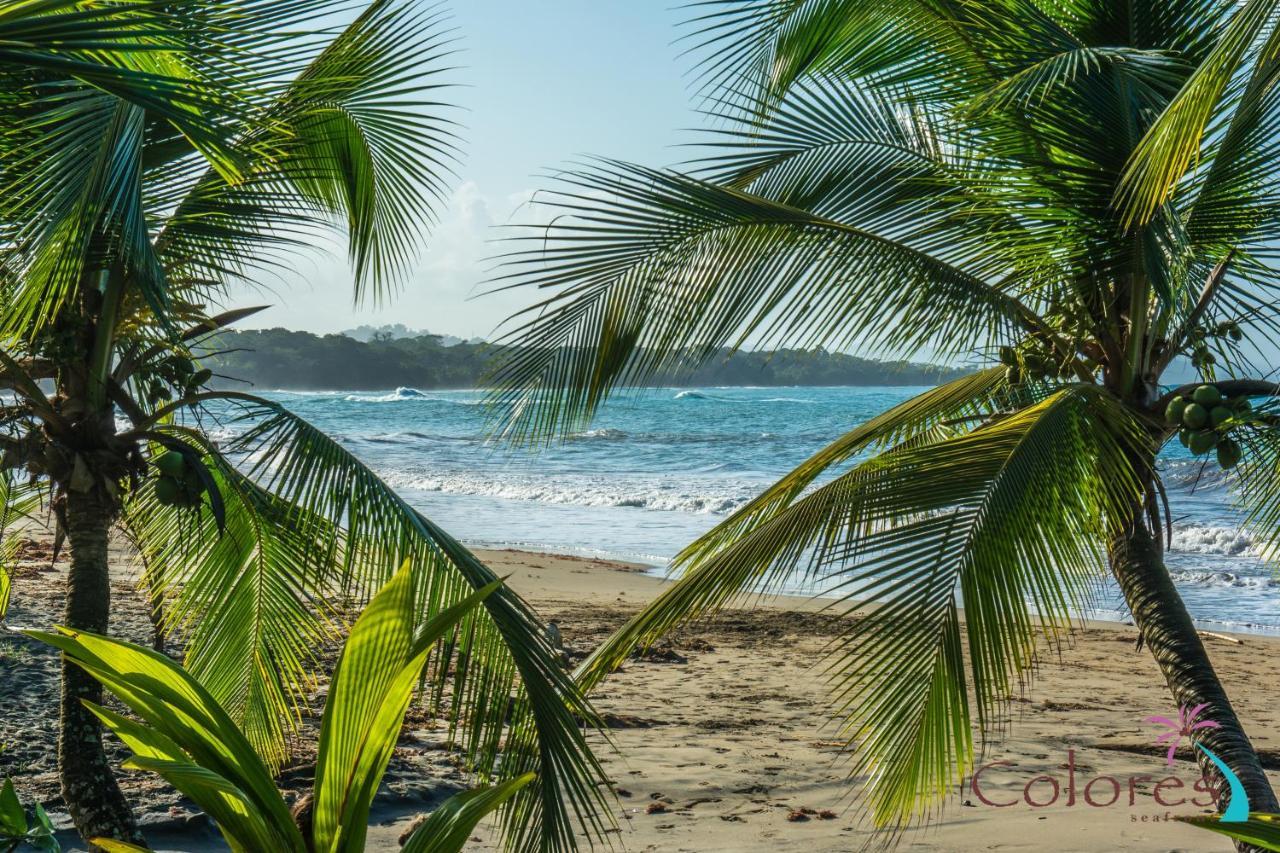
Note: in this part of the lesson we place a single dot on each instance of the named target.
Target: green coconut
(1195, 416)
(1202, 442)
(1228, 453)
(1242, 406)
(1218, 415)
(171, 464)
(169, 491)
(1008, 355)
(1173, 412)
(1184, 436)
(1207, 395)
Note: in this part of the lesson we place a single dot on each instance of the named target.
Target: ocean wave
(603, 434)
(590, 492)
(1214, 539)
(702, 395)
(1226, 579)
(399, 395)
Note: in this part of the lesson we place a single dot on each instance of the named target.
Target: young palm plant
(1079, 195)
(187, 738)
(152, 155)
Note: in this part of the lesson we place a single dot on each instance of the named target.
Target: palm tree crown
(1071, 194)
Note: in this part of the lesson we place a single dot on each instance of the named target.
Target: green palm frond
(674, 268)
(1005, 519)
(140, 51)
(17, 502)
(1261, 829)
(300, 135)
(1177, 137)
(250, 598)
(962, 401)
(1255, 483)
(189, 739)
(316, 524)
(358, 137)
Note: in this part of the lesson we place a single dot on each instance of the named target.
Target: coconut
(1184, 436)
(171, 464)
(1195, 416)
(169, 491)
(1173, 413)
(1228, 453)
(1218, 415)
(1207, 395)
(1202, 442)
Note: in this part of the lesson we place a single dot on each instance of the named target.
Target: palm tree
(152, 155)
(1075, 195)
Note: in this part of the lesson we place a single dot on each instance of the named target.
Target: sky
(543, 84)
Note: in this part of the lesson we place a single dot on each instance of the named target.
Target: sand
(721, 740)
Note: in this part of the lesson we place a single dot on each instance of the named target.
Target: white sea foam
(1226, 579)
(719, 498)
(399, 395)
(1214, 539)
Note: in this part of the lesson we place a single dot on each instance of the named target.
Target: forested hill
(279, 358)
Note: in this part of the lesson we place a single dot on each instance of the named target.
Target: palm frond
(1006, 519)
(251, 599)
(1175, 140)
(517, 710)
(657, 270)
(358, 137)
(17, 502)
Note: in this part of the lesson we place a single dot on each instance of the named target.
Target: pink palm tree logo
(1188, 722)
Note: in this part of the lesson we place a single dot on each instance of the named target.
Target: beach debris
(800, 814)
(622, 792)
(628, 721)
(656, 807)
(659, 654)
(752, 789)
(1210, 635)
(417, 821)
(827, 814)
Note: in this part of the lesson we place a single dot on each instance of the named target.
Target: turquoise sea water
(662, 466)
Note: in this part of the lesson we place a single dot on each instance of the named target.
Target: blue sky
(544, 83)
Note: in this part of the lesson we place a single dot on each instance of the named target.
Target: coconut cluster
(174, 375)
(1032, 361)
(180, 481)
(1204, 418)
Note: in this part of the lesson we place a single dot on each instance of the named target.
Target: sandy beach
(722, 742)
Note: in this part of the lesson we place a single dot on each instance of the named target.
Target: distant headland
(377, 358)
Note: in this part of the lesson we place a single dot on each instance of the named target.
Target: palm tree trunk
(93, 797)
(1167, 630)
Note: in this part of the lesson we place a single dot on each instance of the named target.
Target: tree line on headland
(280, 358)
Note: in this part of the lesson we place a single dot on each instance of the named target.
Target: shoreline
(819, 602)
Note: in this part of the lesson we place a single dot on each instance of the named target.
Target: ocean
(662, 466)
